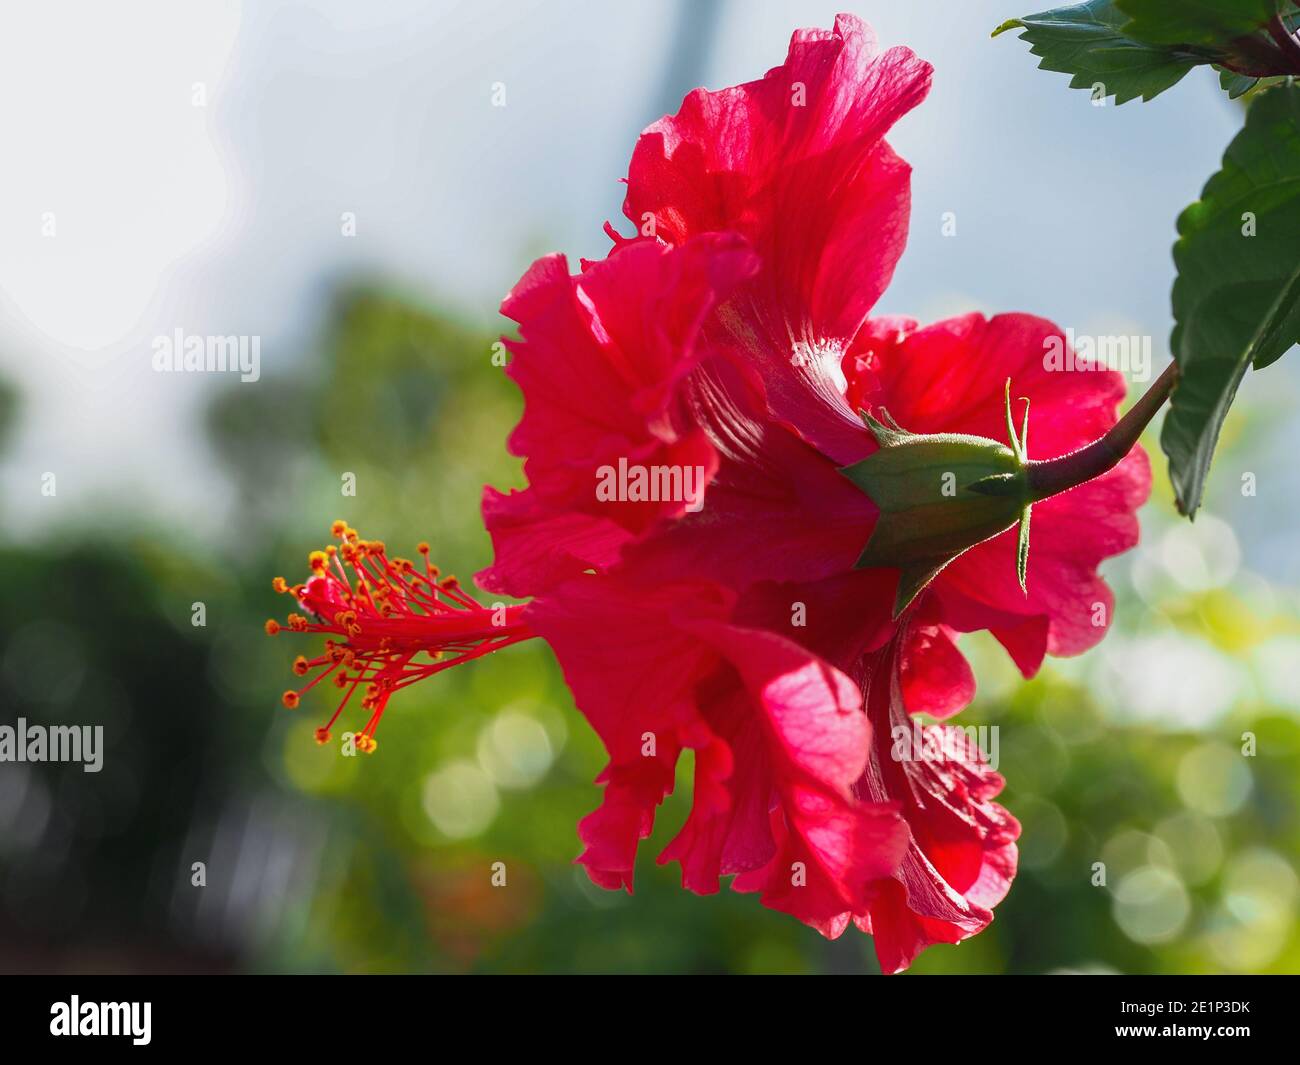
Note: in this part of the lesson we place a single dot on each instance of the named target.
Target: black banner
(1223, 1015)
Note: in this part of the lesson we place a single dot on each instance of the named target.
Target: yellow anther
(317, 560)
(279, 585)
(301, 666)
(272, 627)
(339, 527)
(290, 699)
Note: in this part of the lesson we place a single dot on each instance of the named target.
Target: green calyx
(940, 494)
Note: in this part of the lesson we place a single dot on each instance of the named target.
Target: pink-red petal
(600, 362)
(936, 678)
(962, 855)
(779, 735)
(796, 163)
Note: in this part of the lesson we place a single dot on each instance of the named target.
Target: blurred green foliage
(8, 411)
(316, 862)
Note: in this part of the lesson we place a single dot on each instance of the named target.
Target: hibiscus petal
(777, 509)
(1072, 534)
(780, 741)
(633, 675)
(536, 546)
(950, 377)
(962, 855)
(806, 717)
(796, 163)
(936, 678)
(600, 362)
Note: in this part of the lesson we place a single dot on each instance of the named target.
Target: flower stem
(1286, 42)
(1049, 477)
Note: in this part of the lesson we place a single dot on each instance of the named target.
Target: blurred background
(343, 182)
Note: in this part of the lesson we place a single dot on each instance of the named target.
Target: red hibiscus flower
(693, 548)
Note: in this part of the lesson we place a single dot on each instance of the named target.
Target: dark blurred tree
(92, 859)
(8, 412)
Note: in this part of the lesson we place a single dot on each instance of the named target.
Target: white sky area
(225, 218)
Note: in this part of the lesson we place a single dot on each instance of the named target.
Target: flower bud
(940, 494)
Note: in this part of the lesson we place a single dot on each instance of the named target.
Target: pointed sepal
(912, 581)
(888, 433)
(1022, 550)
(1020, 444)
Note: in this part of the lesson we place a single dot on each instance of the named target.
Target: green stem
(1049, 477)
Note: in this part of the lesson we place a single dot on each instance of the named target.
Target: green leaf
(1237, 297)
(1088, 41)
(1212, 23)
(1143, 47)
(1235, 85)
